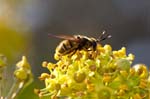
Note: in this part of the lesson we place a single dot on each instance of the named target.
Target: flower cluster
(23, 70)
(100, 74)
(22, 78)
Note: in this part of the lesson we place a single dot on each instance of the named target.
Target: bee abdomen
(65, 47)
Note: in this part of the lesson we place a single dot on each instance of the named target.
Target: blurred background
(24, 25)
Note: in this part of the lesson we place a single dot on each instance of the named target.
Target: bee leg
(89, 50)
(72, 53)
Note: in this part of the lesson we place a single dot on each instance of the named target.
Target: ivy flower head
(99, 74)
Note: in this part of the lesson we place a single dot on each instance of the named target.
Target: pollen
(100, 74)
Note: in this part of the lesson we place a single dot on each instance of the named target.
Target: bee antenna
(103, 36)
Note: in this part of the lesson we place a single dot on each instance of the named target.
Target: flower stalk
(3, 64)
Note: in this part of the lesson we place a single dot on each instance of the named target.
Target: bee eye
(78, 37)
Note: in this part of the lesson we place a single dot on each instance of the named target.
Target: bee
(71, 44)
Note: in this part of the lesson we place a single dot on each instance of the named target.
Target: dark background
(128, 22)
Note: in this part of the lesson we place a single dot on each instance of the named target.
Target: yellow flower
(3, 61)
(23, 70)
(99, 74)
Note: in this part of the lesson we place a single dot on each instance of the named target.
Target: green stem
(14, 91)
(2, 83)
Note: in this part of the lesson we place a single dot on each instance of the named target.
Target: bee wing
(66, 37)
